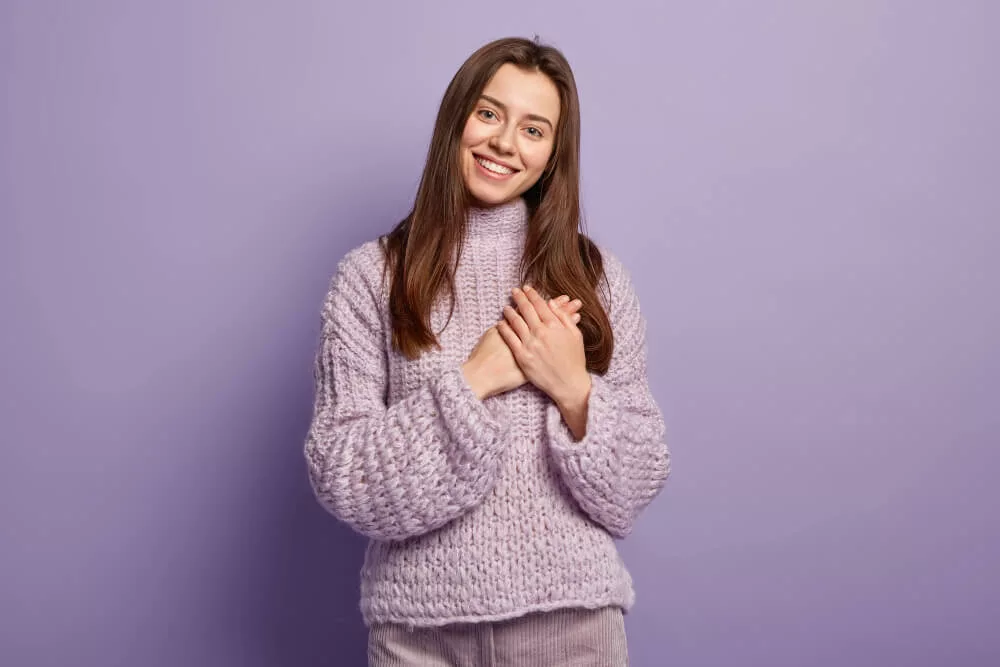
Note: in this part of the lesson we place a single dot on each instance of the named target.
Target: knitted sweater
(477, 510)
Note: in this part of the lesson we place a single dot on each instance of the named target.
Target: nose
(502, 140)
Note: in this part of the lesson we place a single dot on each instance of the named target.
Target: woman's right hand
(491, 368)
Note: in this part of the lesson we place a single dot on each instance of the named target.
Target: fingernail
(528, 288)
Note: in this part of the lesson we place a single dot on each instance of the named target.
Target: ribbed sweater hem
(428, 621)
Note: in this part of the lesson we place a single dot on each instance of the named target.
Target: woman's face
(509, 136)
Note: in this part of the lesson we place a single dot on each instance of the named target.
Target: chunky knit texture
(478, 510)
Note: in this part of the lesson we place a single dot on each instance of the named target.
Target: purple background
(805, 192)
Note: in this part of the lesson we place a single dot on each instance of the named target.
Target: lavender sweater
(477, 510)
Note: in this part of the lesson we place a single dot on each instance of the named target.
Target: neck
(507, 219)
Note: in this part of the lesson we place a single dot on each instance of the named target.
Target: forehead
(524, 92)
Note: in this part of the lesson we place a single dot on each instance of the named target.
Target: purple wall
(806, 193)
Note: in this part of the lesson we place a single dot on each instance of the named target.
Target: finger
(558, 301)
(509, 337)
(527, 309)
(567, 318)
(517, 324)
(576, 317)
(545, 313)
(569, 308)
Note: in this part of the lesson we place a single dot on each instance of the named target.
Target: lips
(488, 162)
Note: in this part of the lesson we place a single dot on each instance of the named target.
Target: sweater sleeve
(399, 471)
(622, 461)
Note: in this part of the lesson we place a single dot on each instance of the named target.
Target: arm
(398, 471)
(622, 460)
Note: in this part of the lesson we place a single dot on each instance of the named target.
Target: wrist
(576, 395)
(474, 379)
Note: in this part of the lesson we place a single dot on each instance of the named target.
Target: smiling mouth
(494, 167)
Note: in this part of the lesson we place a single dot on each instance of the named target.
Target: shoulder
(359, 269)
(365, 260)
(615, 287)
(613, 266)
(354, 291)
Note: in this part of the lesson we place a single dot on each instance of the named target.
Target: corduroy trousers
(560, 638)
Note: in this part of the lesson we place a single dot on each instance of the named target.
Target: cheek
(467, 139)
(474, 134)
(535, 157)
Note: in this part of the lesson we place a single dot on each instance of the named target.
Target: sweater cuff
(468, 418)
(602, 420)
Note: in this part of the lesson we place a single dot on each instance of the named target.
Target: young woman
(490, 441)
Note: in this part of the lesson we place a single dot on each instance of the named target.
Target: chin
(486, 195)
(490, 198)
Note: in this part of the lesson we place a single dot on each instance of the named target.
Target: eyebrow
(530, 116)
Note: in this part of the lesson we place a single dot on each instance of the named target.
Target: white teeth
(494, 167)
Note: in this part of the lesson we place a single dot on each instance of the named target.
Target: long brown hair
(557, 258)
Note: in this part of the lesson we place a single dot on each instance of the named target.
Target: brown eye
(537, 133)
(487, 114)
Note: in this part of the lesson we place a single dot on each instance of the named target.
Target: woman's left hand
(548, 346)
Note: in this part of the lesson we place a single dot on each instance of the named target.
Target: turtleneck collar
(509, 218)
